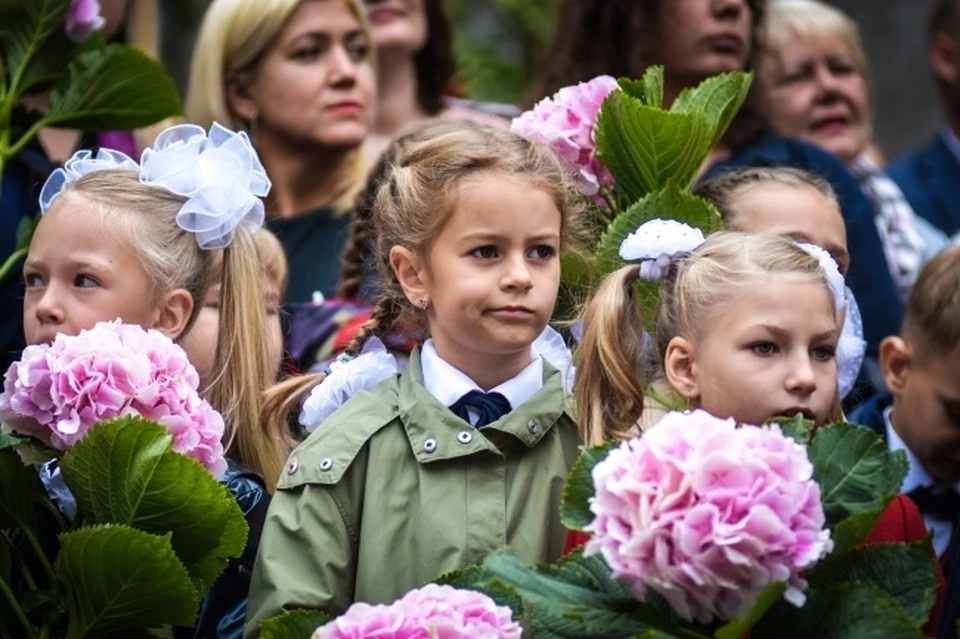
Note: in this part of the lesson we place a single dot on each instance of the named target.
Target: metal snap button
(532, 426)
(292, 466)
(465, 437)
(430, 445)
(326, 464)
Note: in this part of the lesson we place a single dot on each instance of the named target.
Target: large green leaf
(854, 529)
(644, 146)
(25, 38)
(648, 89)
(671, 202)
(905, 571)
(293, 624)
(117, 577)
(838, 611)
(115, 87)
(575, 510)
(125, 472)
(719, 97)
(855, 470)
(798, 428)
(576, 598)
(474, 578)
(20, 492)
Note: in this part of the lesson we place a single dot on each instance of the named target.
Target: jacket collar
(435, 433)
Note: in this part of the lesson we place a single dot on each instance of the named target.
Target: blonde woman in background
(299, 78)
(814, 83)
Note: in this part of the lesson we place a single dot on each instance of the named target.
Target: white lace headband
(219, 173)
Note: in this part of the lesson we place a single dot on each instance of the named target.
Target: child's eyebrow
(783, 333)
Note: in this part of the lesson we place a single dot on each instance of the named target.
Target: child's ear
(681, 369)
(411, 273)
(173, 312)
(896, 357)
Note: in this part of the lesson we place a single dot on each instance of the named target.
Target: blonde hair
(611, 361)
(932, 320)
(414, 202)
(790, 21)
(145, 218)
(273, 262)
(725, 190)
(361, 244)
(233, 38)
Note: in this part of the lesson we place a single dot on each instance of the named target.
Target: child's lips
(515, 312)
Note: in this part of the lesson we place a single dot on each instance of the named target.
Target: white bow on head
(219, 174)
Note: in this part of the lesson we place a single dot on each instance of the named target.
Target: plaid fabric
(896, 224)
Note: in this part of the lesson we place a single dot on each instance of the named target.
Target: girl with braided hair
(466, 450)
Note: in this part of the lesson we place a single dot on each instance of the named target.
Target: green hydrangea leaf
(117, 577)
(474, 578)
(719, 97)
(32, 36)
(856, 471)
(904, 571)
(575, 510)
(20, 492)
(838, 610)
(671, 202)
(645, 147)
(113, 87)
(575, 598)
(293, 624)
(125, 472)
(649, 89)
(798, 428)
(738, 628)
(854, 529)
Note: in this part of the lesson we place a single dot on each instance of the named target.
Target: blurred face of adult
(701, 38)
(814, 91)
(399, 26)
(315, 84)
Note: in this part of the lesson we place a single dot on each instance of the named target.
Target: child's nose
(49, 309)
(802, 378)
(517, 274)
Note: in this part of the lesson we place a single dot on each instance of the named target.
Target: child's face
(926, 410)
(769, 352)
(799, 212)
(78, 273)
(201, 342)
(493, 273)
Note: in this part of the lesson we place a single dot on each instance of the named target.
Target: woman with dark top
(695, 39)
(299, 78)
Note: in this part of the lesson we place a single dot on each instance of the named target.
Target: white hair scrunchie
(81, 163)
(219, 173)
(657, 243)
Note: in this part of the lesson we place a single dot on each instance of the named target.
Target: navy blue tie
(489, 406)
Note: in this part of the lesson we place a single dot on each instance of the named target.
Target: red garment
(900, 522)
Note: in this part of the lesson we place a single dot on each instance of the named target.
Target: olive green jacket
(393, 490)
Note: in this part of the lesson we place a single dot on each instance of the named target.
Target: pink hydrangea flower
(565, 123)
(58, 391)
(708, 515)
(431, 612)
(83, 18)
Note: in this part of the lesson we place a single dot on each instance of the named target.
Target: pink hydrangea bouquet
(565, 123)
(432, 612)
(703, 527)
(57, 392)
(708, 515)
